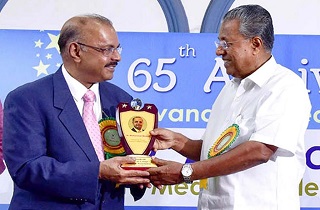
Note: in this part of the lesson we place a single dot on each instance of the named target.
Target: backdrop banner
(180, 73)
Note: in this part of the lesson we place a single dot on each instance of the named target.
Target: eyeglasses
(225, 45)
(105, 51)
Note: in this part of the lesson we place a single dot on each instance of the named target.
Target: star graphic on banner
(41, 68)
(49, 56)
(38, 43)
(46, 53)
(54, 42)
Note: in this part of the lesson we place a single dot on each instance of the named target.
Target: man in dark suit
(2, 166)
(137, 122)
(47, 148)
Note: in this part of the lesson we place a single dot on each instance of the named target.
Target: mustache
(111, 64)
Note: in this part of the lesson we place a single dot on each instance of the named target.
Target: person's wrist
(179, 142)
(186, 173)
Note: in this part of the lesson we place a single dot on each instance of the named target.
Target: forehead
(101, 33)
(229, 30)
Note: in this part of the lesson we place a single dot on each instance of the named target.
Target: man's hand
(164, 139)
(111, 170)
(167, 173)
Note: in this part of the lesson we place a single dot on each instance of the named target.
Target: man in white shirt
(251, 155)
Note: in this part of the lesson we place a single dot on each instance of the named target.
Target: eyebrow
(109, 46)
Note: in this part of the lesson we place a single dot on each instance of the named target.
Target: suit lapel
(106, 104)
(70, 115)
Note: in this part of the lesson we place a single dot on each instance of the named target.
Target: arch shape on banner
(176, 17)
(2, 3)
(213, 16)
(175, 14)
(173, 10)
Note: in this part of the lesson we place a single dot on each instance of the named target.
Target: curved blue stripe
(175, 15)
(214, 13)
(2, 3)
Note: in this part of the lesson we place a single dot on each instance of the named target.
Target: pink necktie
(90, 121)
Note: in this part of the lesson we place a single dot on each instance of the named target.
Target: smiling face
(95, 66)
(137, 122)
(86, 62)
(238, 57)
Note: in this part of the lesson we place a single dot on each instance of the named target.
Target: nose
(220, 51)
(116, 55)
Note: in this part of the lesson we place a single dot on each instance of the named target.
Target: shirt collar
(263, 74)
(260, 76)
(76, 88)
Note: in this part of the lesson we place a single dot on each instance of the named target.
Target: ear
(74, 51)
(257, 44)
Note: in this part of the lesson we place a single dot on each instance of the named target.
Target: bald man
(47, 147)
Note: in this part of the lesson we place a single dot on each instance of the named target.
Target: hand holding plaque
(134, 122)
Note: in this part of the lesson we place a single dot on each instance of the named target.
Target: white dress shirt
(270, 106)
(78, 90)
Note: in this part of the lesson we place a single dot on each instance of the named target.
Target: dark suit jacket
(48, 152)
(134, 130)
(2, 166)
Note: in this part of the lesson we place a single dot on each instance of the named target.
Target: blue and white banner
(180, 73)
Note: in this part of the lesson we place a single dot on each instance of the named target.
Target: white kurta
(270, 106)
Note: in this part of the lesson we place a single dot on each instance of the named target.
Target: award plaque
(134, 122)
